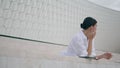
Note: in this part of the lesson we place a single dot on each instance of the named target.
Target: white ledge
(15, 49)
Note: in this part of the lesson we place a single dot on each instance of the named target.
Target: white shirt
(79, 45)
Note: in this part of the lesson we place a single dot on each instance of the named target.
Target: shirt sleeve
(79, 47)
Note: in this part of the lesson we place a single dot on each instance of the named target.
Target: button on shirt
(79, 45)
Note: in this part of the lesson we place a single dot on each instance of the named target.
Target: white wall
(58, 20)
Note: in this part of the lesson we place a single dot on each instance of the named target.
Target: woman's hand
(91, 35)
(105, 55)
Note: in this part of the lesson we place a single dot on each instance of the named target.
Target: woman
(82, 44)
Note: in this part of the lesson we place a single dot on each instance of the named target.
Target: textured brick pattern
(57, 20)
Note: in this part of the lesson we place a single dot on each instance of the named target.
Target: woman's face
(93, 28)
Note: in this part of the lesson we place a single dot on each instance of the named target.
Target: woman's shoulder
(78, 35)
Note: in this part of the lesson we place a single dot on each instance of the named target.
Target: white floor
(15, 53)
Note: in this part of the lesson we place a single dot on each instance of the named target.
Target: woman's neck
(85, 32)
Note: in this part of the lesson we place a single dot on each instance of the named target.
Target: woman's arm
(89, 50)
(90, 37)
